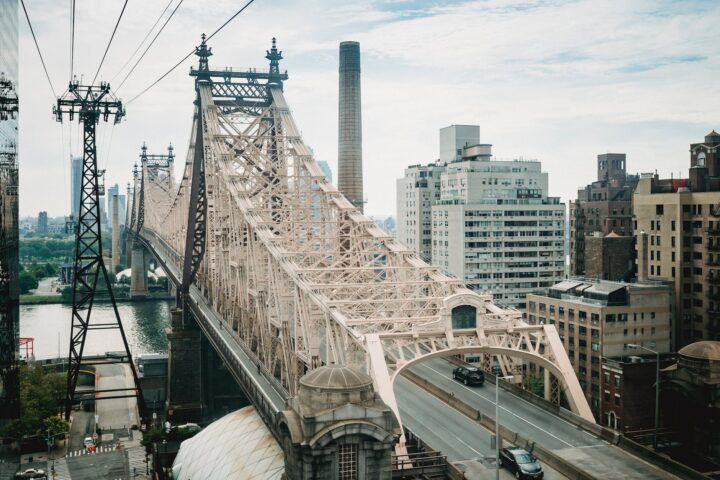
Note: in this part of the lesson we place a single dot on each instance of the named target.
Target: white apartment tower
(488, 222)
(417, 192)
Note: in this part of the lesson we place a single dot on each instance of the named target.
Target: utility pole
(90, 103)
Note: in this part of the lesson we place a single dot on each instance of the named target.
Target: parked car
(88, 441)
(31, 473)
(521, 463)
(469, 375)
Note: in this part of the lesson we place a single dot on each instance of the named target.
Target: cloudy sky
(556, 80)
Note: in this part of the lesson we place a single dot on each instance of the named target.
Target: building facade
(76, 166)
(627, 403)
(599, 319)
(602, 207)
(677, 226)
(496, 228)
(416, 193)
(42, 223)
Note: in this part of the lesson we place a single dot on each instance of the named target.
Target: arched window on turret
(464, 316)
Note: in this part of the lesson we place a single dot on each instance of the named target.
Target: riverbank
(58, 299)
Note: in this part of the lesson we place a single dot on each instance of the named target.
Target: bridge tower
(91, 103)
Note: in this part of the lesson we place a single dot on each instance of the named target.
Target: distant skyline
(560, 81)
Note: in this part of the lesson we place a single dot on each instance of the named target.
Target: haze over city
(559, 81)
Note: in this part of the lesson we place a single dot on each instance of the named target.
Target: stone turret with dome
(336, 416)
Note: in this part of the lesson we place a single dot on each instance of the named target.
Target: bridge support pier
(138, 273)
(185, 392)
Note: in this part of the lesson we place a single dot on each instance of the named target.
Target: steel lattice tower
(91, 103)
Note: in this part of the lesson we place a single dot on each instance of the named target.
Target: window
(347, 462)
(659, 210)
(617, 381)
(606, 396)
(607, 378)
(617, 399)
(595, 347)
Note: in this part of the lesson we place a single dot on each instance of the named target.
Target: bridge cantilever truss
(300, 274)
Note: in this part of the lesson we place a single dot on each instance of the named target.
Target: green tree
(534, 384)
(56, 425)
(27, 282)
(41, 396)
(119, 268)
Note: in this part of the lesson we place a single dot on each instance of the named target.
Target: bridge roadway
(436, 423)
(582, 448)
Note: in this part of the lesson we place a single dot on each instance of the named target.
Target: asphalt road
(109, 466)
(465, 443)
(580, 447)
(115, 413)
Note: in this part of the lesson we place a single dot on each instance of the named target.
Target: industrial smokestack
(350, 176)
(115, 234)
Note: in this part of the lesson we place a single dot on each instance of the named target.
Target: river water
(144, 324)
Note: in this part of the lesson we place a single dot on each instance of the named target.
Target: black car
(521, 463)
(469, 375)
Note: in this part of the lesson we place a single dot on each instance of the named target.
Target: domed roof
(705, 350)
(336, 377)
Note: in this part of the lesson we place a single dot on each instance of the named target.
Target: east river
(49, 326)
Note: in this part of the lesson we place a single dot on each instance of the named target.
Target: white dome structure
(236, 447)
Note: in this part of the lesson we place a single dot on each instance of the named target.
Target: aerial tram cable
(42, 60)
(149, 45)
(109, 43)
(189, 54)
(142, 42)
(72, 40)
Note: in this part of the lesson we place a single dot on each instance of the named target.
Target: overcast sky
(556, 80)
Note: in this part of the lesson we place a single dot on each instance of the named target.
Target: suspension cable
(190, 53)
(109, 43)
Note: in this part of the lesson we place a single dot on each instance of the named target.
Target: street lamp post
(657, 389)
(497, 425)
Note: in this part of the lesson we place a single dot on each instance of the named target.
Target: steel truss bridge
(294, 270)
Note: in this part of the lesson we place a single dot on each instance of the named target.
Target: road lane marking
(503, 408)
(468, 446)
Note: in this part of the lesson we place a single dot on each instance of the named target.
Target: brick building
(609, 257)
(604, 206)
(627, 402)
(598, 319)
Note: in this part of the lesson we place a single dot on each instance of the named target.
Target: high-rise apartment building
(496, 228)
(599, 319)
(490, 223)
(416, 193)
(325, 167)
(677, 226)
(42, 223)
(601, 208)
(76, 166)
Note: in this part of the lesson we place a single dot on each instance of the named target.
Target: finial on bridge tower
(143, 153)
(274, 55)
(171, 152)
(203, 52)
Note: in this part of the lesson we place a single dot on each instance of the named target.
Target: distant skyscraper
(326, 170)
(350, 175)
(75, 185)
(115, 190)
(42, 222)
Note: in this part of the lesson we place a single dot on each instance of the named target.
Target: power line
(149, 45)
(42, 60)
(72, 40)
(142, 42)
(109, 43)
(189, 54)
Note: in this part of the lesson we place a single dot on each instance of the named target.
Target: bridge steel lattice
(299, 273)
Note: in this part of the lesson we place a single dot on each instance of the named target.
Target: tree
(56, 425)
(534, 384)
(27, 282)
(119, 268)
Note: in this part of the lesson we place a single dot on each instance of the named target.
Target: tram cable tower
(90, 103)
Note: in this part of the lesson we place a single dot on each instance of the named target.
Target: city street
(119, 413)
